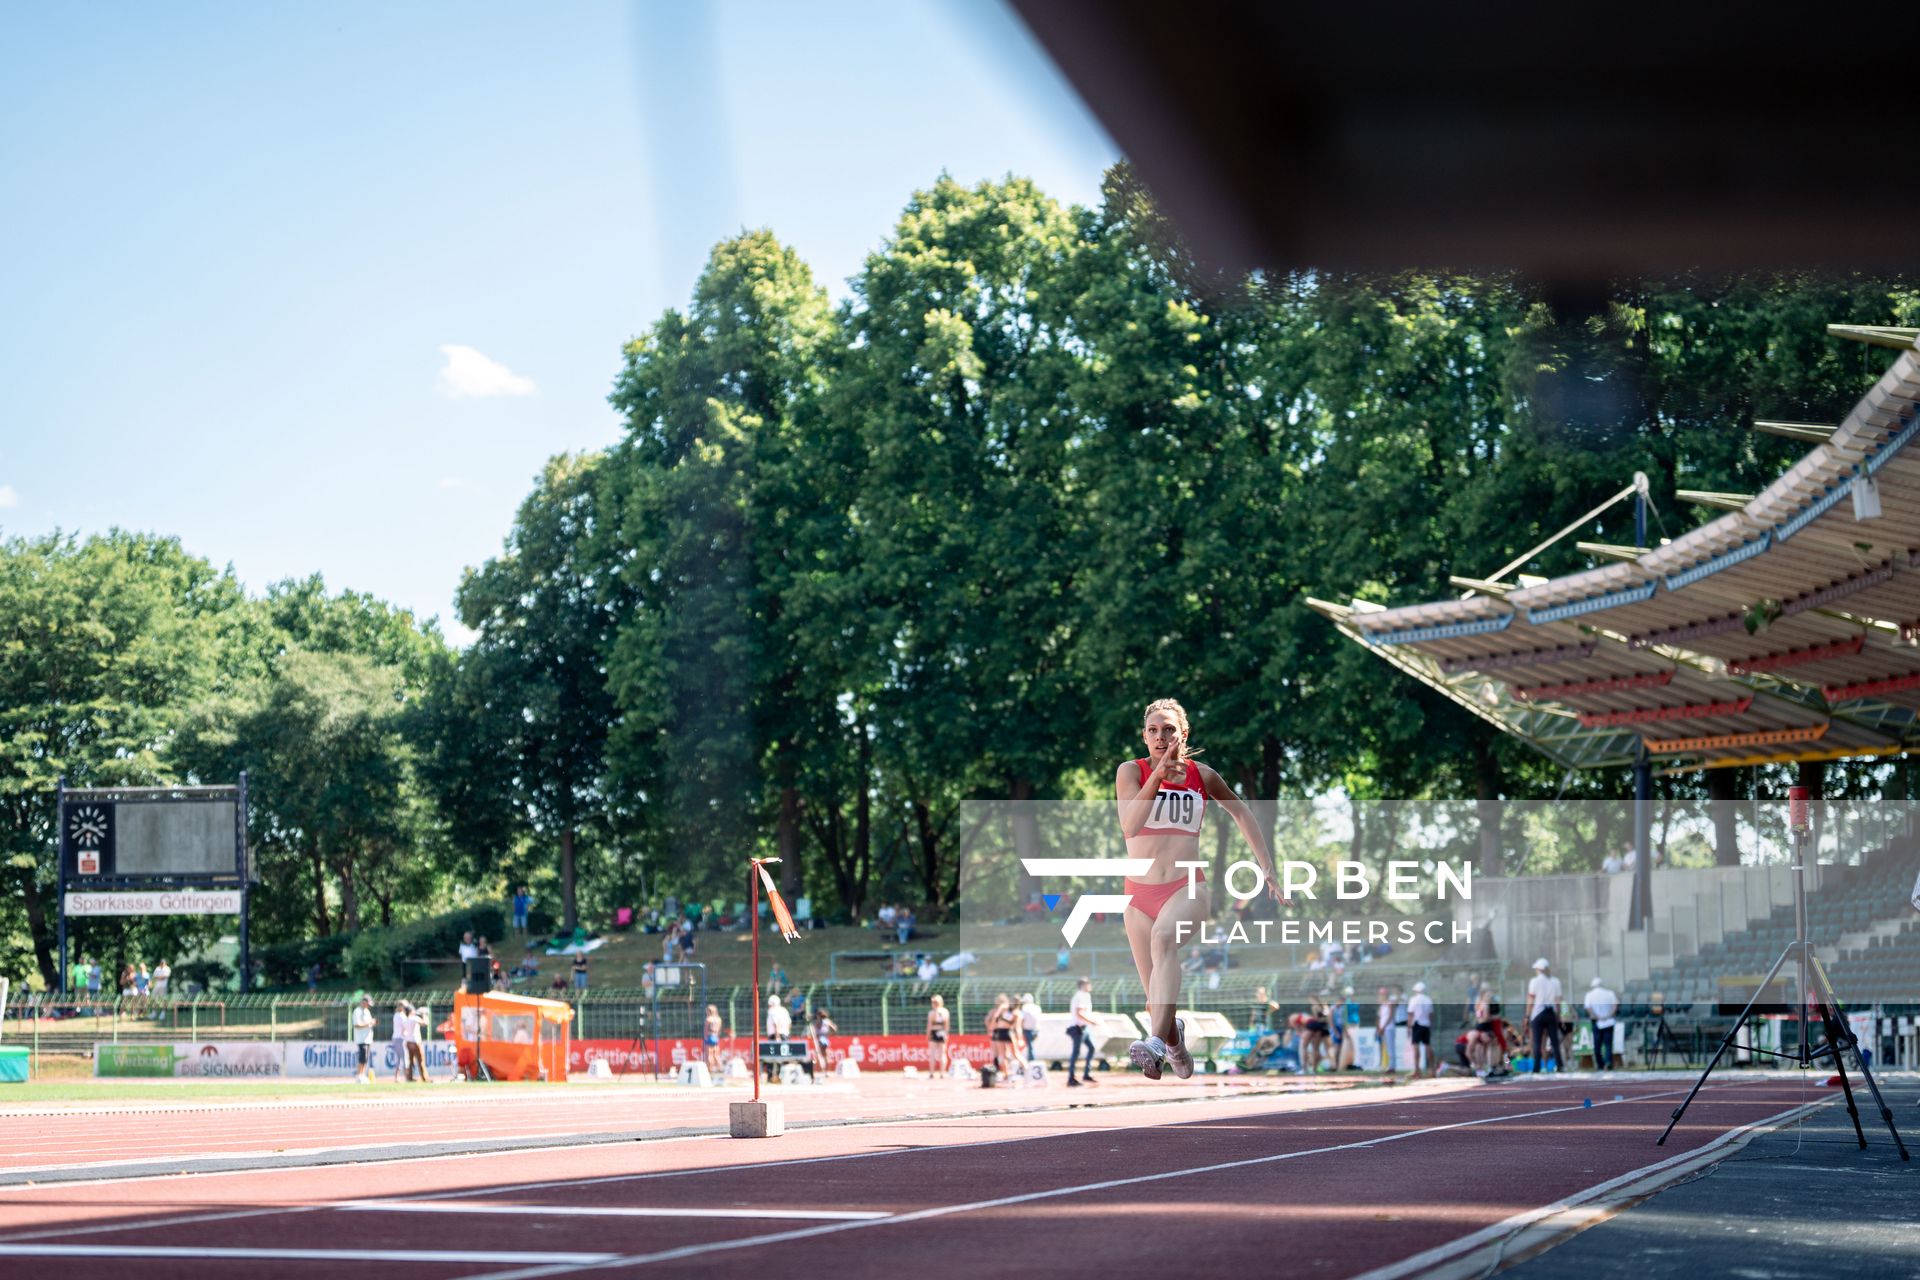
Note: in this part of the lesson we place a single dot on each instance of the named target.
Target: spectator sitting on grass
(928, 970)
(1062, 960)
(904, 925)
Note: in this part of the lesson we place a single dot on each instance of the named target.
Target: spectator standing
(362, 1034)
(313, 976)
(1543, 1014)
(821, 1040)
(939, 1024)
(779, 1028)
(126, 980)
(1612, 865)
(403, 1025)
(710, 1038)
(686, 946)
(1420, 1030)
(468, 949)
(142, 982)
(522, 903)
(162, 976)
(1383, 1020)
(1001, 1020)
(417, 1042)
(93, 981)
(1029, 1022)
(670, 948)
(1080, 1030)
(1601, 1005)
(580, 971)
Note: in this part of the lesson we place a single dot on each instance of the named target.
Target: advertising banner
(336, 1059)
(206, 1059)
(167, 902)
(873, 1053)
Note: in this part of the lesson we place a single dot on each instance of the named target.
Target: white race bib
(1179, 810)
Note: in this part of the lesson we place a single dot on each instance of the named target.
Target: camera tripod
(1816, 1004)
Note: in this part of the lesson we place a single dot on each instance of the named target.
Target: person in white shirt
(403, 1027)
(1383, 1021)
(1420, 1030)
(928, 970)
(1612, 865)
(1543, 1015)
(1601, 1005)
(1029, 1022)
(362, 1036)
(1080, 1030)
(417, 1042)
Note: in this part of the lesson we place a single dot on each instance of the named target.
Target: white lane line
(606, 1211)
(977, 1119)
(1325, 1102)
(199, 1252)
(942, 1211)
(1564, 1217)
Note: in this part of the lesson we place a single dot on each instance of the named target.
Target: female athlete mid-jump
(1162, 800)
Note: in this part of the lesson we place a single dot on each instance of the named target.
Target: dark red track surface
(1336, 1185)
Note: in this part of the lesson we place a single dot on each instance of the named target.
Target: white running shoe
(1178, 1057)
(1150, 1055)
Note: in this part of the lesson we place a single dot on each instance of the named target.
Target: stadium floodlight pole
(1815, 993)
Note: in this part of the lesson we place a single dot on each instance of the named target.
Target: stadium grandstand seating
(1865, 899)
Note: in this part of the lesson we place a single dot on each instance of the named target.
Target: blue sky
(318, 288)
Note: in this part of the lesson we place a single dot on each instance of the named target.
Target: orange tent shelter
(518, 1037)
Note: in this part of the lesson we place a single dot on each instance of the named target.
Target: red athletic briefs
(1151, 897)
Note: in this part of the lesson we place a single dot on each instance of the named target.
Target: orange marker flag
(781, 915)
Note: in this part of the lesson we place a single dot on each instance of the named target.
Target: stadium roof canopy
(1785, 630)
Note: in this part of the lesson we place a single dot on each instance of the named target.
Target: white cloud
(470, 374)
(8, 498)
(458, 633)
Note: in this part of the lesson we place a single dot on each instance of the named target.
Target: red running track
(1339, 1185)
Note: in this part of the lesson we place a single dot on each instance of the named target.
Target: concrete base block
(756, 1119)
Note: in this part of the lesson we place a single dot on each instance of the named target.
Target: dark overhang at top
(1571, 144)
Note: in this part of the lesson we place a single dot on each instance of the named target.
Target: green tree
(714, 534)
(522, 724)
(104, 644)
(973, 532)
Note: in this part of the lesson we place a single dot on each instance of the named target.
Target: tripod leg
(1698, 1084)
(1847, 1040)
(1837, 1035)
(1725, 1044)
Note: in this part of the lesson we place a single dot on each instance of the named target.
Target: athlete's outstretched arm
(1223, 795)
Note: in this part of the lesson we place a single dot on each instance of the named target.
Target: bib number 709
(1174, 807)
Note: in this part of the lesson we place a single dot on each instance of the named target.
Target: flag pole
(753, 923)
(759, 1119)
